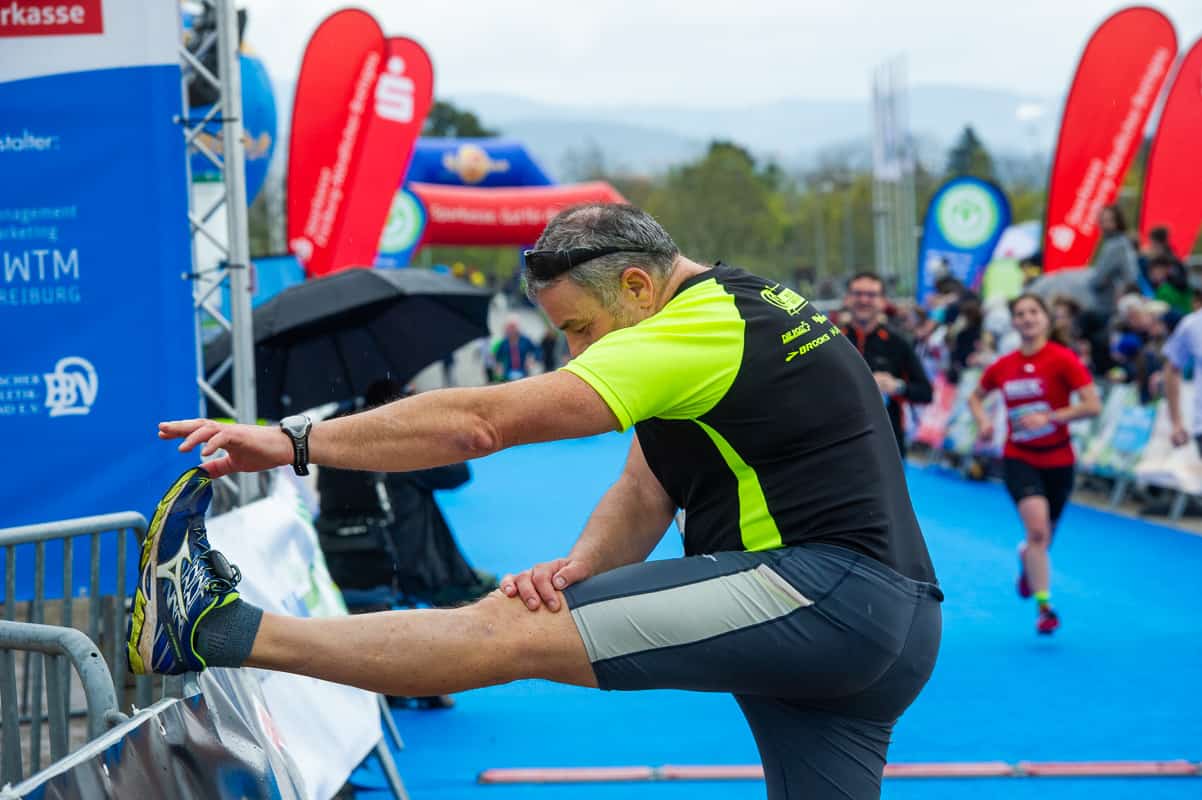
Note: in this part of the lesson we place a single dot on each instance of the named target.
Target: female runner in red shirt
(1036, 381)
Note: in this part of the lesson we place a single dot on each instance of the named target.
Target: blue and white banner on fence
(98, 341)
(964, 221)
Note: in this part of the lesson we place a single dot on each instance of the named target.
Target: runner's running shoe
(1047, 622)
(1023, 585)
(181, 579)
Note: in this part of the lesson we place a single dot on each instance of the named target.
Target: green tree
(969, 157)
(724, 206)
(448, 120)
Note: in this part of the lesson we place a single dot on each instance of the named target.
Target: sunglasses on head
(546, 265)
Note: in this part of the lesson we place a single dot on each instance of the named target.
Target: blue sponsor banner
(95, 320)
(475, 162)
(964, 221)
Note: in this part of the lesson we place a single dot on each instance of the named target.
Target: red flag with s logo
(1116, 85)
(361, 101)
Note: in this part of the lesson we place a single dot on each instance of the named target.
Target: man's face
(866, 301)
(581, 316)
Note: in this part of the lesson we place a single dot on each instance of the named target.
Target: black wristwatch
(297, 428)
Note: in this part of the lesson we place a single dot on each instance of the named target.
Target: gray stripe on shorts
(684, 614)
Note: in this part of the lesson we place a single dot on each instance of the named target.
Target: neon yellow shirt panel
(676, 364)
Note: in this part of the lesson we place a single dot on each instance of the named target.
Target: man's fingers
(216, 443)
(541, 578)
(178, 428)
(527, 592)
(218, 467)
(200, 434)
(507, 586)
(571, 572)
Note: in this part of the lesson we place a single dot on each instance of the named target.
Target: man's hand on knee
(543, 583)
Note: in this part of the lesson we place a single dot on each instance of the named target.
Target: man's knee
(530, 644)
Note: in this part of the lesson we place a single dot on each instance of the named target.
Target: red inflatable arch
(468, 216)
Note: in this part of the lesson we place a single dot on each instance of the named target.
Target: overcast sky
(704, 53)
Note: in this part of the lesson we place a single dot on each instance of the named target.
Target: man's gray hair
(595, 225)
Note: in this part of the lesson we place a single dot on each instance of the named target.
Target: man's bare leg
(428, 652)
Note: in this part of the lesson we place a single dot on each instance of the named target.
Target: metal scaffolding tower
(208, 206)
(895, 232)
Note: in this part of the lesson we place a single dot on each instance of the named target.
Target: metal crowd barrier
(63, 648)
(103, 619)
(49, 651)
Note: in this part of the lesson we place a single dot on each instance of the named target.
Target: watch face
(295, 426)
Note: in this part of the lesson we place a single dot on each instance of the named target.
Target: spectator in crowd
(966, 337)
(1032, 267)
(1117, 265)
(1037, 382)
(899, 374)
(1167, 279)
(945, 303)
(514, 355)
(387, 530)
(1116, 269)
(1156, 246)
(1183, 349)
(552, 349)
(1002, 338)
(1139, 332)
(927, 336)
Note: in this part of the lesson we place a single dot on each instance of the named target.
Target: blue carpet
(1121, 680)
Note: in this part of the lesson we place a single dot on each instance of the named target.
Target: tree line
(812, 225)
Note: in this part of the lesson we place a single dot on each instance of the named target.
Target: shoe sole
(145, 610)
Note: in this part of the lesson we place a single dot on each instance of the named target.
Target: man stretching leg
(806, 592)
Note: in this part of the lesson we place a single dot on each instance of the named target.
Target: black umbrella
(327, 339)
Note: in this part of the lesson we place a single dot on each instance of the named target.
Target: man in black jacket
(894, 364)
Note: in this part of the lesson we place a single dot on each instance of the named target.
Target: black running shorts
(822, 648)
(1054, 483)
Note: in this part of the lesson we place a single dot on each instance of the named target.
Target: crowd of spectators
(1116, 317)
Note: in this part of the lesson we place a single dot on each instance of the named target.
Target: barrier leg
(11, 766)
(390, 723)
(391, 774)
(1121, 487)
(1179, 504)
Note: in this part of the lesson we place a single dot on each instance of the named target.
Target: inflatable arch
(476, 192)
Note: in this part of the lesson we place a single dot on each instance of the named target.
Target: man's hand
(887, 383)
(543, 583)
(985, 431)
(1179, 436)
(248, 448)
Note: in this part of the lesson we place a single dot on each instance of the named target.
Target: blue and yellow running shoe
(181, 579)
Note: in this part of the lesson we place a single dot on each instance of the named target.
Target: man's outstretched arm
(429, 430)
(623, 529)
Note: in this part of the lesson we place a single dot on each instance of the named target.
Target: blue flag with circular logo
(964, 221)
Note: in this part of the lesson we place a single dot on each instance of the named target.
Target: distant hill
(795, 132)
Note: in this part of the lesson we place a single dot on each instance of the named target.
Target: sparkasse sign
(47, 18)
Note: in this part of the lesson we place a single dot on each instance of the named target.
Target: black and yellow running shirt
(761, 421)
